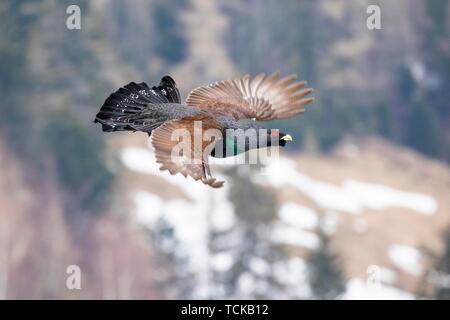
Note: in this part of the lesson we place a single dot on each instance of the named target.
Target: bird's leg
(208, 170)
(208, 179)
(204, 171)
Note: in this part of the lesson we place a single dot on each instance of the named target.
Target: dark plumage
(220, 107)
(137, 107)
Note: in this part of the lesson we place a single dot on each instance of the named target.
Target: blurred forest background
(65, 192)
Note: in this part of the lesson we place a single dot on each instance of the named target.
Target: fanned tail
(125, 107)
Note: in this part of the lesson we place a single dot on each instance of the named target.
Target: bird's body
(212, 122)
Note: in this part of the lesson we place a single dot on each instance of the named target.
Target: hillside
(383, 205)
(367, 175)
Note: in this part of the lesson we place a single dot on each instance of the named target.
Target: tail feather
(123, 108)
(169, 86)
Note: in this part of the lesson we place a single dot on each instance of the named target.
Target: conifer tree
(442, 270)
(253, 253)
(325, 274)
(174, 278)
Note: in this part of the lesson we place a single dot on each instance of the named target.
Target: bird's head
(245, 139)
(283, 138)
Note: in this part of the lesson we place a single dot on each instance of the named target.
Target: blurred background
(358, 208)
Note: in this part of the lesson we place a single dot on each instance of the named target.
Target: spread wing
(263, 97)
(178, 152)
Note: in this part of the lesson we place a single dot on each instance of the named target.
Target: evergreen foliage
(170, 44)
(443, 267)
(326, 278)
(345, 109)
(79, 159)
(39, 135)
(253, 243)
(171, 262)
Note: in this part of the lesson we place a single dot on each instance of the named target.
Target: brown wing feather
(189, 158)
(263, 97)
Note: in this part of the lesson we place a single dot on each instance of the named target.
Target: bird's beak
(287, 137)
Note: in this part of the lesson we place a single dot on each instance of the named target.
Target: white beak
(287, 137)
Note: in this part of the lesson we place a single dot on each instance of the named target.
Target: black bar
(227, 309)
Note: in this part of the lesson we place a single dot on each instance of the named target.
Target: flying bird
(222, 106)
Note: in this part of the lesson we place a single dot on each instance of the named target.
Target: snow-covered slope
(375, 208)
(350, 196)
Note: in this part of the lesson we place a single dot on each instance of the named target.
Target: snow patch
(246, 284)
(259, 266)
(298, 216)
(329, 222)
(294, 273)
(223, 218)
(387, 275)
(358, 289)
(222, 262)
(294, 236)
(406, 258)
(148, 208)
(283, 172)
(379, 197)
(139, 159)
(352, 196)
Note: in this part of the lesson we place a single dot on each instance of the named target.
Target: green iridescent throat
(231, 145)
